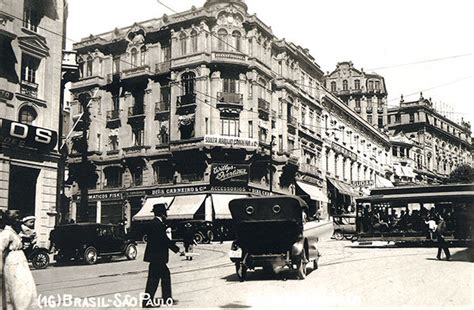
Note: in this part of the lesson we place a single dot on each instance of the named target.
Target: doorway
(22, 189)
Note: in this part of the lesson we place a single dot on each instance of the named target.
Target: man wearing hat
(157, 254)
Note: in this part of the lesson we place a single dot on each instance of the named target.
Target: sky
(398, 39)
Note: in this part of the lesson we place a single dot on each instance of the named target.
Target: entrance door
(22, 189)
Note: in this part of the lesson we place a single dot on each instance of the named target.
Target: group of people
(18, 286)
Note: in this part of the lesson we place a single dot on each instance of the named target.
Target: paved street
(348, 276)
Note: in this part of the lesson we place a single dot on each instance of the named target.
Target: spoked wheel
(40, 260)
(90, 255)
(241, 271)
(131, 252)
(338, 235)
(301, 266)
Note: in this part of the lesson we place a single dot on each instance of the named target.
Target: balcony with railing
(263, 105)
(162, 107)
(29, 89)
(113, 119)
(184, 100)
(87, 82)
(136, 114)
(309, 169)
(292, 121)
(229, 100)
(135, 72)
(163, 67)
(69, 61)
(113, 77)
(369, 109)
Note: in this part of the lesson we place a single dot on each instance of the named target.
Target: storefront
(28, 165)
(319, 200)
(341, 197)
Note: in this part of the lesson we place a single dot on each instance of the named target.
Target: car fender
(298, 247)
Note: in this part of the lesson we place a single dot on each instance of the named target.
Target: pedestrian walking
(18, 286)
(442, 244)
(157, 254)
(188, 240)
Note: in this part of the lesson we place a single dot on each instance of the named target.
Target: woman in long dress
(18, 286)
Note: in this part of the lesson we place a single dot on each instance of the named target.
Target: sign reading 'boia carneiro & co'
(27, 136)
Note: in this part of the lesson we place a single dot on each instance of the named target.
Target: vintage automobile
(89, 241)
(344, 226)
(270, 234)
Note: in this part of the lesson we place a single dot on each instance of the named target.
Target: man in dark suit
(157, 254)
(442, 244)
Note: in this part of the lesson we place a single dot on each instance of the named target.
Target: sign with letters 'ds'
(27, 136)
(229, 174)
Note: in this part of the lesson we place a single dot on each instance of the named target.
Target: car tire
(338, 235)
(198, 237)
(90, 255)
(40, 260)
(241, 271)
(131, 252)
(145, 238)
(301, 266)
(348, 237)
(210, 236)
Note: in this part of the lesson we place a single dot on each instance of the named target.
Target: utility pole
(83, 212)
(271, 163)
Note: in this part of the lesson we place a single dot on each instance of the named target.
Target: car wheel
(198, 237)
(131, 252)
(338, 235)
(301, 266)
(241, 271)
(90, 255)
(354, 238)
(348, 237)
(145, 238)
(210, 236)
(40, 260)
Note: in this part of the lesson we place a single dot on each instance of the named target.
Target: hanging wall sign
(27, 136)
(229, 174)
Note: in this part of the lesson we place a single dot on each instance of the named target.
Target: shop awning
(382, 182)
(313, 191)
(184, 207)
(221, 205)
(343, 188)
(146, 212)
(404, 171)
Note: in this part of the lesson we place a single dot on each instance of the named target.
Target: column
(98, 216)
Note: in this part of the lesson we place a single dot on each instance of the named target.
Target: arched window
(344, 85)
(27, 115)
(237, 40)
(89, 66)
(333, 86)
(134, 57)
(182, 42)
(142, 56)
(222, 39)
(188, 82)
(194, 41)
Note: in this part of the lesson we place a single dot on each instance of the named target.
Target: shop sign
(345, 152)
(27, 136)
(259, 192)
(365, 183)
(180, 190)
(137, 193)
(5, 95)
(228, 189)
(229, 174)
(105, 196)
(231, 142)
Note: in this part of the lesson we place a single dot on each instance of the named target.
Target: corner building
(31, 54)
(196, 109)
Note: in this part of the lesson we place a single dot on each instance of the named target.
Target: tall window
(237, 40)
(182, 42)
(29, 67)
(116, 65)
(142, 56)
(89, 64)
(194, 41)
(166, 50)
(369, 119)
(113, 177)
(380, 122)
(187, 83)
(357, 84)
(138, 137)
(31, 17)
(344, 85)
(357, 103)
(221, 39)
(262, 134)
(137, 175)
(116, 102)
(230, 127)
(134, 57)
(250, 129)
(377, 84)
(230, 86)
(27, 115)
(333, 86)
(371, 85)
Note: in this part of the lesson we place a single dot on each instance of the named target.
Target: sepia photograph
(236, 154)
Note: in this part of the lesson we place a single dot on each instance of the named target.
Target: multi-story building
(365, 93)
(195, 109)
(426, 145)
(31, 45)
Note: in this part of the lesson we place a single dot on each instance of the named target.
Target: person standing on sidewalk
(157, 254)
(442, 244)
